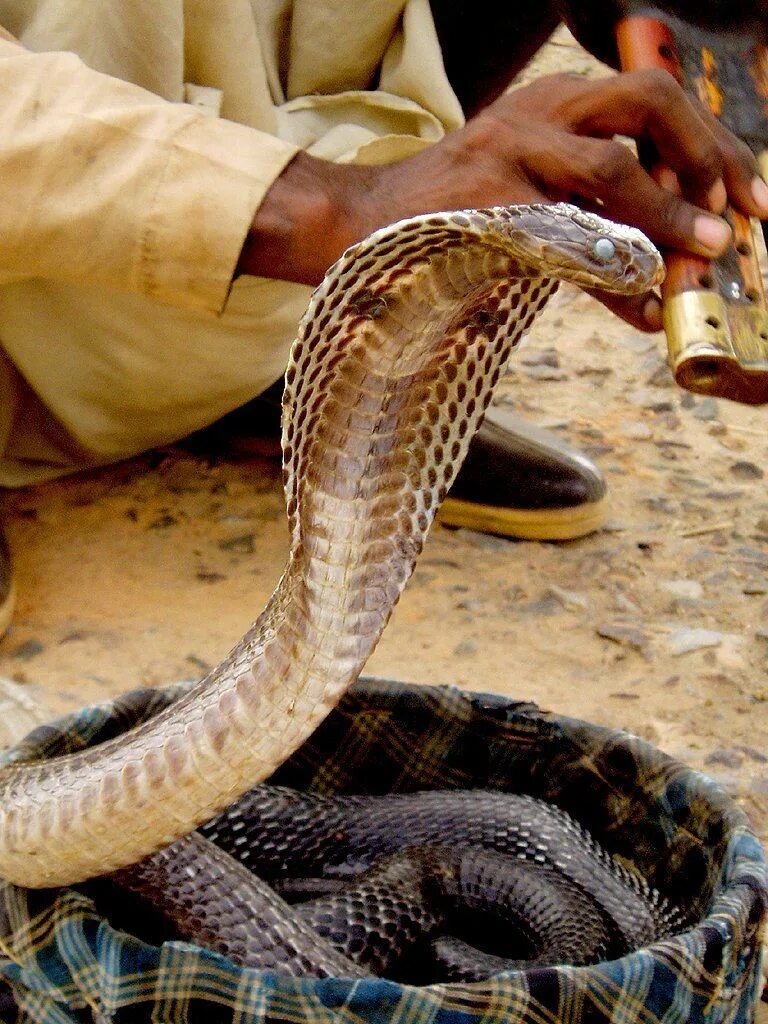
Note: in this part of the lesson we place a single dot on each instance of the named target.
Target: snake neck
(395, 363)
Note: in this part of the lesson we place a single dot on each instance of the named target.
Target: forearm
(310, 215)
(109, 185)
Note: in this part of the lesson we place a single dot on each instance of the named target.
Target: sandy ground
(148, 571)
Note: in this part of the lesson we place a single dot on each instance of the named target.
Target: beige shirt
(138, 140)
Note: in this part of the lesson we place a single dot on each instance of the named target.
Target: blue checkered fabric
(65, 964)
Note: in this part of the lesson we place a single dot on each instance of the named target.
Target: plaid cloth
(65, 964)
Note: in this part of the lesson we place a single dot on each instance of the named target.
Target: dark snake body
(386, 882)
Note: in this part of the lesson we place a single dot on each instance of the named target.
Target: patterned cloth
(65, 964)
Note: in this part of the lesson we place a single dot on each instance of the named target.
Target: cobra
(395, 363)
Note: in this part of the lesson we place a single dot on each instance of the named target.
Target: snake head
(562, 241)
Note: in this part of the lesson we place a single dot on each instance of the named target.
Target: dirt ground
(148, 571)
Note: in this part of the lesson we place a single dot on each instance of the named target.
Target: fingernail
(652, 314)
(717, 197)
(713, 234)
(669, 180)
(760, 193)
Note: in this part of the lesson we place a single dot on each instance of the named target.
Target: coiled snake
(394, 365)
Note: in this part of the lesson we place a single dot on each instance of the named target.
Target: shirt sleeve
(104, 183)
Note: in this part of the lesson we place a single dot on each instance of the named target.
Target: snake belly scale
(394, 365)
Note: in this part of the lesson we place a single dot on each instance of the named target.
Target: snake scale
(395, 363)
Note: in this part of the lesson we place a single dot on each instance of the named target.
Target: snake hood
(549, 239)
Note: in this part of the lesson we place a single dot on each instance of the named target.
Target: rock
(744, 470)
(691, 590)
(762, 524)
(544, 373)
(755, 586)
(661, 376)
(752, 754)
(706, 409)
(29, 649)
(162, 522)
(568, 598)
(466, 648)
(245, 544)
(727, 756)
(547, 357)
(636, 431)
(623, 634)
(684, 641)
(687, 400)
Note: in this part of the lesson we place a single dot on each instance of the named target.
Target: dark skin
(549, 141)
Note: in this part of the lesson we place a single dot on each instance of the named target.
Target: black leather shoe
(517, 480)
(7, 591)
(521, 481)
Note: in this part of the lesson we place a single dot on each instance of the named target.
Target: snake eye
(604, 249)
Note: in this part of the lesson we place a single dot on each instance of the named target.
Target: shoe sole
(524, 523)
(6, 610)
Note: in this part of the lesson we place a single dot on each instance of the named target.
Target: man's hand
(550, 141)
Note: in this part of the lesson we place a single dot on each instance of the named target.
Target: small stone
(29, 649)
(245, 544)
(706, 409)
(762, 524)
(588, 370)
(209, 576)
(754, 755)
(755, 586)
(544, 373)
(162, 522)
(547, 357)
(727, 756)
(690, 590)
(466, 648)
(636, 431)
(625, 635)
(684, 641)
(661, 377)
(614, 526)
(687, 400)
(717, 430)
(568, 598)
(744, 470)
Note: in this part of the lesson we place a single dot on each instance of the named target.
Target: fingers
(707, 159)
(643, 312)
(741, 174)
(608, 172)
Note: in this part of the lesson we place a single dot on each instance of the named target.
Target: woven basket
(64, 963)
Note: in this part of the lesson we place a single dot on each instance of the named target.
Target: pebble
(625, 635)
(727, 756)
(756, 586)
(744, 470)
(545, 373)
(684, 641)
(29, 649)
(568, 598)
(661, 376)
(245, 544)
(691, 590)
(706, 409)
(636, 431)
(547, 357)
(466, 648)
